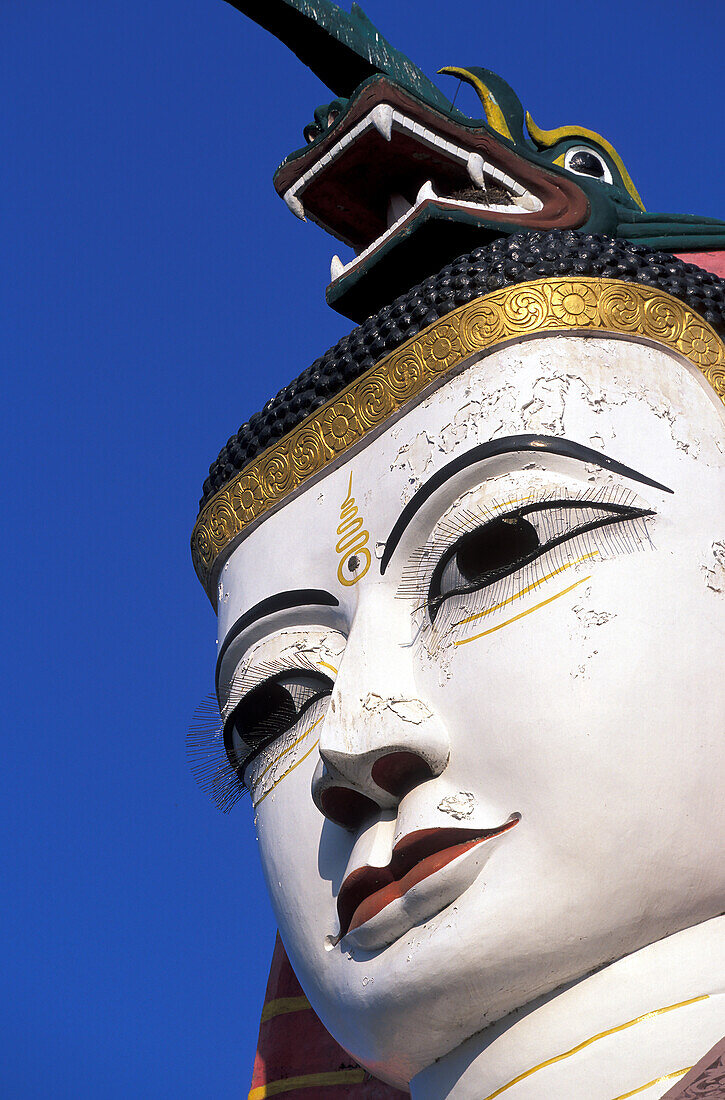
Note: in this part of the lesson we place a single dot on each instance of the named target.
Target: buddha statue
(469, 574)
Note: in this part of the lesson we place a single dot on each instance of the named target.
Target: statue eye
(505, 544)
(586, 161)
(499, 544)
(269, 710)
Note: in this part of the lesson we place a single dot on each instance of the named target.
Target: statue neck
(633, 1028)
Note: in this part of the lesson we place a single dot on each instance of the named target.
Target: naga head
(408, 182)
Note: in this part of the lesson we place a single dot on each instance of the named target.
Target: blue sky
(155, 292)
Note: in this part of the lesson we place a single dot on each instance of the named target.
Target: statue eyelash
(206, 750)
(207, 756)
(622, 537)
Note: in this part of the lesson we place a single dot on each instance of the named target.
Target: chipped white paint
(408, 710)
(590, 702)
(715, 573)
(460, 805)
(587, 616)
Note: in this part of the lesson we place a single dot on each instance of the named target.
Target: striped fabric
(297, 1058)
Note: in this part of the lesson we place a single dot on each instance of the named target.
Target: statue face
(490, 711)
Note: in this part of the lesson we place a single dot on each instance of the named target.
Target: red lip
(367, 890)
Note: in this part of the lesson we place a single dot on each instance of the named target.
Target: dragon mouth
(387, 177)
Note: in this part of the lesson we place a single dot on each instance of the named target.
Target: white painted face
(499, 665)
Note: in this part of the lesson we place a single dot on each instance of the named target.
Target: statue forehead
(376, 400)
(635, 403)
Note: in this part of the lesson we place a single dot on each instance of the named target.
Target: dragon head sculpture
(409, 182)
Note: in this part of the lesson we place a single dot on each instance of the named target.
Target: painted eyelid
(615, 513)
(279, 674)
(256, 664)
(257, 750)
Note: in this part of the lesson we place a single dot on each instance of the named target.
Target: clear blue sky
(155, 292)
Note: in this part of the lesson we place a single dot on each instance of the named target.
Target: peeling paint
(545, 410)
(587, 616)
(408, 710)
(415, 458)
(715, 576)
(459, 806)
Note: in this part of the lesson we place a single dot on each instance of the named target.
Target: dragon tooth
(382, 119)
(295, 205)
(336, 268)
(427, 191)
(528, 201)
(475, 170)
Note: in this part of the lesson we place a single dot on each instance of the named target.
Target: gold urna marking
(594, 1039)
(352, 543)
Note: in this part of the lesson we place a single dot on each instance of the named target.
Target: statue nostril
(347, 808)
(398, 772)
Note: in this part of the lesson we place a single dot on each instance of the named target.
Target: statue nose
(379, 738)
(373, 766)
(394, 775)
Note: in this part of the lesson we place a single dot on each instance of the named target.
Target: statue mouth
(388, 168)
(372, 892)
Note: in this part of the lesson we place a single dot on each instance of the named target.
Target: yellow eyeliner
(284, 776)
(657, 1081)
(324, 664)
(284, 752)
(594, 1038)
(523, 614)
(529, 588)
(508, 503)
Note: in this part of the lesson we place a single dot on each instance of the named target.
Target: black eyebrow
(281, 601)
(551, 444)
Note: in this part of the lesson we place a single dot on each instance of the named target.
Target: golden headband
(361, 409)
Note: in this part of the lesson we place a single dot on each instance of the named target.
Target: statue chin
(494, 830)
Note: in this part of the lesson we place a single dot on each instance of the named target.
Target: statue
(470, 577)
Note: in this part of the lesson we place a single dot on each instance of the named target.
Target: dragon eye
(586, 161)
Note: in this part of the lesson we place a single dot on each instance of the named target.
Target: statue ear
(293, 1043)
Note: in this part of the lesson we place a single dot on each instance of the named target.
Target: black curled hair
(519, 258)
